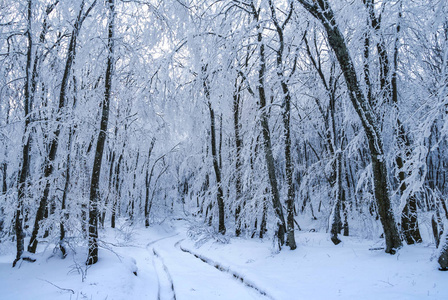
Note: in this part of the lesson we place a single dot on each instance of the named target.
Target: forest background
(254, 116)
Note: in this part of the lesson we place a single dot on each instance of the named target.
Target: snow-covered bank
(169, 264)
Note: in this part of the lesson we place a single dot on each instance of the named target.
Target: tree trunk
(238, 148)
(325, 15)
(443, 254)
(23, 173)
(216, 166)
(117, 194)
(267, 145)
(54, 143)
(147, 184)
(92, 257)
(336, 222)
(64, 216)
(286, 116)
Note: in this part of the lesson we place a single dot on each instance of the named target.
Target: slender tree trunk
(23, 173)
(54, 143)
(345, 206)
(215, 155)
(117, 194)
(267, 145)
(64, 212)
(92, 257)
(286, 115)
(336, 222)
(238, 148)
(148, 183)
(409, 220)
(263, 223)
(4, 167)
(322, 11)
(131, 206)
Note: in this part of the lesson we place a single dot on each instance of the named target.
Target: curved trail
(182, 276)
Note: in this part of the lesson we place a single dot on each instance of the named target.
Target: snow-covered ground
(171, 265)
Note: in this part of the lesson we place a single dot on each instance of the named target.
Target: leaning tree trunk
(389, 86)
(323, 12)
(92, 257)
(54, 143)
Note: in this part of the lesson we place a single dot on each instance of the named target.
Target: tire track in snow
(165, 282)
(161, 239)
(223, 269)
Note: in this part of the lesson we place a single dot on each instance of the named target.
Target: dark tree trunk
(336, 222)
(286, 115)
(345, 206)
(437, 226)
(131, 209)
(263, 223)
(117, 193)
(215, 155)
(23, 173)
(409, 222)
(389, 87)
(92, 257)
(64, 212)
(325, 15)
(54, 143)
(332, 141)
(267, 145)
(238, 148)
(148, 183)
(4, 168)
(443, 256)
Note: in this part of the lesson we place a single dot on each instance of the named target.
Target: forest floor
(180, 260)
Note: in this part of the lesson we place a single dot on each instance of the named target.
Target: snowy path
(182, 276)
(163, 262)
(165, 282)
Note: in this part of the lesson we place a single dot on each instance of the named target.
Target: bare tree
(322, 11)
(92, 257)
(54, 143)
(286, 115)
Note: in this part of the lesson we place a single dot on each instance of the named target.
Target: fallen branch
(378, 248)
(63, 289)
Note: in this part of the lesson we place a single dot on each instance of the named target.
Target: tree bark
(286, 116)
(92, 257)
(117, 194)
(323, 12)
(23, 173)
(336, 221)
(147, 183)
(216, 166)
(267, 145)
(238, 148)
(54, 143)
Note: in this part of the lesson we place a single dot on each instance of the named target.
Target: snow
(170, 264)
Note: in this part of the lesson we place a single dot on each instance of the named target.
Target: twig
(379, 248)
(68, 290)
